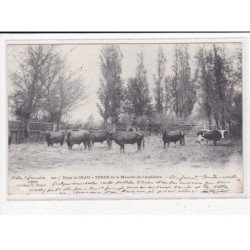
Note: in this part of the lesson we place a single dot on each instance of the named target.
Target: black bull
(213, 135)
(173, 136)
(127, 137)
(78, 137)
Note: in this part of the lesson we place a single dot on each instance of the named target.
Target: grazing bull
(100, 136)
(55, 137)
(213, 135)
(173, 136)
(78, 137)
(10, 139)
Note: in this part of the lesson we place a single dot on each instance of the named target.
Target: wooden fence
(37, 131)
(74, 127)
(189, 129)
(154, 128)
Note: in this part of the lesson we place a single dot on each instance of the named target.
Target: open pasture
(31, 157)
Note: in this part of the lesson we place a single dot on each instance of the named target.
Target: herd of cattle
(89, 137)
(131, 136)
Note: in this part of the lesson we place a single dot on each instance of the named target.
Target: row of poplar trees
(210, 85)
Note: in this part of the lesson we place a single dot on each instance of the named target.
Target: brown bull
(100, 136)
(173, 136)
(128, 137)
(78, 137)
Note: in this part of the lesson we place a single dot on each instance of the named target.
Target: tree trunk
(223, 123)
(58, 124)
(105, 121)
(229, 130)
(209, 122)
(25, 125)
(54, 126)
(217, 121)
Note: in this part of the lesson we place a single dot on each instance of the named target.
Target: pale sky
(87, 56)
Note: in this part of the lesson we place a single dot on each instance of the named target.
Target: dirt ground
(32, 157)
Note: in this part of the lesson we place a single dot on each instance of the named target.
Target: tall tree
(42, 84)
(182, 85)
(233, 106)
(159, 80)
(168, 100)
(110, 92)
(63, 95)
(138, 99)
(217, 80)
(29, 81)
(235, 125)
(205, 79)
(222, 80)
(237, 57)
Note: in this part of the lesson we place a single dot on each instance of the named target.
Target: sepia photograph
(125, 120)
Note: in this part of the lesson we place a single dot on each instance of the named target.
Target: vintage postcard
(125, 119)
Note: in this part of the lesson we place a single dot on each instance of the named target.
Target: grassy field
(32, 157)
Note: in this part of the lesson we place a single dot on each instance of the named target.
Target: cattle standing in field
(100, 136)
(55, 137)
(127, 137)
(213, 135)
(173, 136)
(78, 137)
